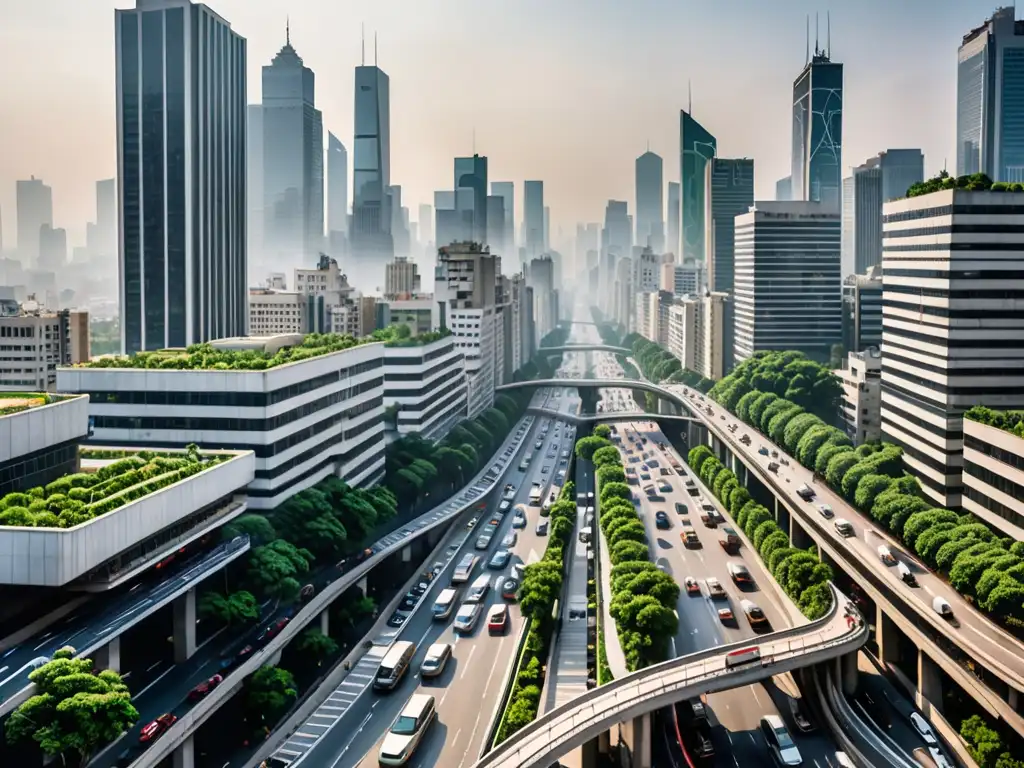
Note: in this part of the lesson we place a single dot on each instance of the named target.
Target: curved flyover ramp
(575, 723)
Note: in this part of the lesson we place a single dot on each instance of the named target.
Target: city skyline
(428, 130)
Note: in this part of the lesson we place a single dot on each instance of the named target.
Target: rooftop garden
(401, 336)
(976, 182)
(16, 402)
(1008, 421)
(78, 498)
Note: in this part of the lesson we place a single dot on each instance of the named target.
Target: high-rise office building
(989, 112)
(672, 225)
(370, 234)
(35, 210)
(183, 258)
(101, 235)
(547, 227)
(426, 224)
(495, 222)
(399, 220)
(818, 132)
(533, 217)
(293, 163)
(901, 169)
(257, 268)
(696, 147)
(862, 310)
(729, 192)
(401, 277)
(650, 224)
(788, 283)
(950, 332)
(506, 190)
(784, 189)
(337, 185)
(471, 173)
(53, 248)
(617, 236)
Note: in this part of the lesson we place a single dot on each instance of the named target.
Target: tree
(615, 490)
(541, 585)
(237, 608)
(869, 488)
(315, 646)
(274, 569)
(627, 531)
(74, 712)
(603, 430)
(697, 456)
(610, 474)
(257, 527)
(587, 446)
(270, 692)
(607, 455)
(838, 467)
(628, 550)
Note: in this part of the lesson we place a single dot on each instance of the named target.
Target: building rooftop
(1008, 421)
(16, 402)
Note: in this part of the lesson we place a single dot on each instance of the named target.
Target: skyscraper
(495, 222)
(254, 194)
(101, 236)
(729, 193)
(650, 224)
(35, 210)
(426, 224)
(181, 166)
(371, 219)
(784, 189)
(471, 173)
(337, 185)
(506, 189)
(293, 163)
(672, 233)
(989, 113)
(696, 147)
(818, 132)
(533, 217)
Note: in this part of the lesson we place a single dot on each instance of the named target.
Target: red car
(272, 631)
(155, 729)
(205, 687)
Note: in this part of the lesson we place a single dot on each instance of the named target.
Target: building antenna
(816, 38)
(807, 42)
(689, 97)
(287, 30)
(375, 49)
(474, 141)
(363, 44)
(828, 38)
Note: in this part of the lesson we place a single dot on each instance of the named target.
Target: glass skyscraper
(181, 157)
(730, 191)
(990, 99)
(371, 166)
(533, 218)
(818, 133)
(471, 173)
(696, 147)
(650, 225)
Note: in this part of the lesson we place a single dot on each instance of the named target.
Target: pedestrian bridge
(611, 416)
(542, 742)
(644, 386)
(585, 348)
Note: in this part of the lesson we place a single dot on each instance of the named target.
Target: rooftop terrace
(16, 402)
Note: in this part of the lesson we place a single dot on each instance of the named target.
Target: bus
(535, 493)
(743, 657)
(465, 568)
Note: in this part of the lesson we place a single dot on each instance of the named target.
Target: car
(436, 659)
(645, 476)
(805, 492)
(681, 509)
(664, 487)
(740, 574)
(483, 542)
(923, 728)
(467, 617)
(510, 539)
(780, 744)
(801, 719)
(155, 729)
(405, 734)
(499, 560)
(272, 631)
(692, 587)
(510, 589)
(244, 654)
(307, 592)
(661, 520)
(408, 602)
(205, 687)
(497, 619)
(519, 521)
(763, 451)
(546, 468)
(472, 523)
(542, 528)
(397, 619)
(725, 615)
(420, 588)
(826, 511)
(715, 589)
(494, 521)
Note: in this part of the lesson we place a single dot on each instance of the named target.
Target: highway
(738, 740)
(971, 630)
(106, 617)
(468, 691)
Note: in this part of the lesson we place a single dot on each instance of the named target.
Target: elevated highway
(612, 416)
(981, 657)
(572, 725)
(583, 347)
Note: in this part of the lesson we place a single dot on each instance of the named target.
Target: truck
(535, 494)
(730, 541)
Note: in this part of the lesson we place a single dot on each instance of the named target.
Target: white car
(826, 511)
(924, 729)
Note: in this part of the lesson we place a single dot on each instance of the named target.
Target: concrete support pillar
(407, 554)
(109, 656)
(325, 623)
(589, 754)
(848, 667)
(184, 755)
(798, 537)
(362, 585)
(185, 627)
(886, 637)
(604, 743)
(1013, 699)
(929, 684)
(638, 735)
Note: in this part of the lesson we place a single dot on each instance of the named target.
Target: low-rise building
(415, 311)
(861, 408)
(307, 407)
(993, 474)
(424, 386)
(273, 311)
(39, 436)
(36, 341)
(862, 310)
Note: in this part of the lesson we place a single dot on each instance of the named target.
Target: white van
(906, 575)
(843, 527)
(942, 607)
(478, 589)
(885, 555)
(444, 603)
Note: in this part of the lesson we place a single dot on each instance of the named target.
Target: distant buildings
(401, 278)
(788, 280)
(183, 231)
(818, 132)
(650, 224)
(729, 192)
(672, 225)
(507, 247)
(533, 218)
(471, 174)
(35, 210)
(36, 341)
(784, 189)
(697, 146)
(989, 113)
(862, 310)
(370, 234)
(337, 187)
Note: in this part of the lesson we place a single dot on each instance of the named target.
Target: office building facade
(650, 223)
(818, 132)
(471, 174)
(788, 282)
(696, 147)
(533, 218)
(35, 210)
(370, 234)
(993, 477)
(862, 310)
(729, 192)
(182, 227)
(425, 387)
(951, 337)
(506, 190)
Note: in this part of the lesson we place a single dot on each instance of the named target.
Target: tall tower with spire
(650, 221)
(293, 163)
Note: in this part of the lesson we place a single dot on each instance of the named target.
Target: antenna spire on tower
(689, 97)
(828, 27)
(816, 38)
(375, 49)
(287, 30)
(807, 42)
(362, 61)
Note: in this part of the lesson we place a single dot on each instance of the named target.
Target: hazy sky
(569, 91)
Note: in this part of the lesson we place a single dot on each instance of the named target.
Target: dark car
(681, 509)
(397, 619)
(273, 630)
(408, 602)
(205, 687)
(661, 520)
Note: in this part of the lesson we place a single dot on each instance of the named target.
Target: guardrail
(425, 523)
(574, 723)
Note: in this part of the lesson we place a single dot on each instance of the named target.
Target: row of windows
(441, 401)
(962, 314)
(324, 446)
(951, 343)
(949, 210)
(940, 432)
(25, 332)
(235, 399)
(958, 229)
(1009, 458)
(989, 390)
(389, 376)
(39, 467)
(419, 359)
(998, 294)
(889, 385)
(329, 460)
(957, 274)
(959, 247)
(963, 366)
(993, 506)
(914, 453)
